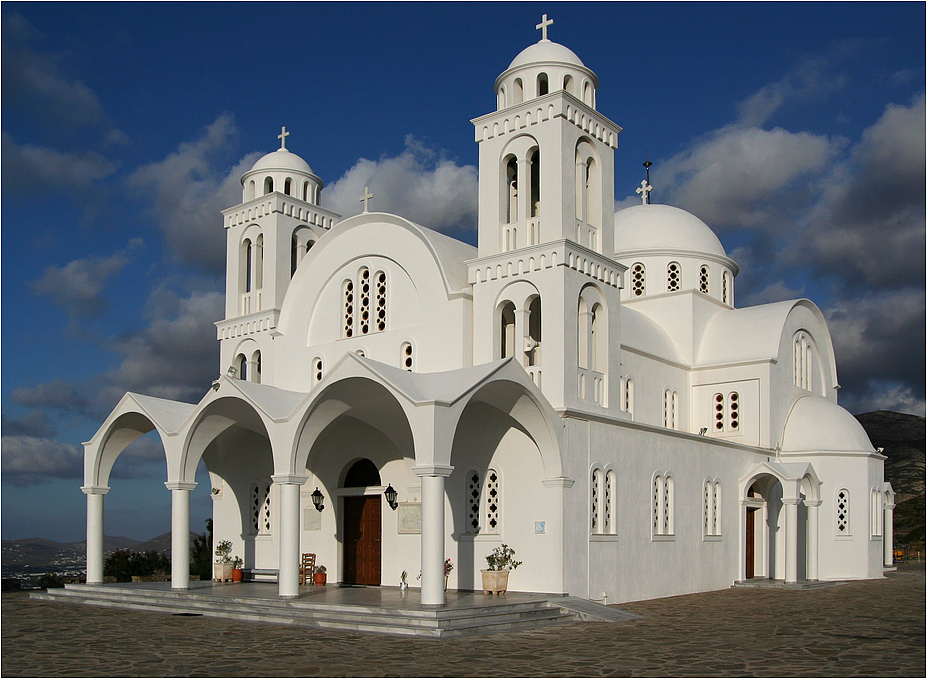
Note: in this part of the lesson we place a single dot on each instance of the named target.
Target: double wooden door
(362, 533)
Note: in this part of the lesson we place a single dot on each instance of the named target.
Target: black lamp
(317, 498)
(391, 496)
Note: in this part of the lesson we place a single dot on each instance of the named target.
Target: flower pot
(222, 572)
(237, 575)
(495, 582)
(319, 578)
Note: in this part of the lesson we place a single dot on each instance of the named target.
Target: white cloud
(419, 184)
(27, 459)
(189, 188)
(32, 169)
(57, 394)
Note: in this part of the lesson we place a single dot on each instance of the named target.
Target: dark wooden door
(750, 542)
(362, 532)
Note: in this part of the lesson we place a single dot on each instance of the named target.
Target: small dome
(282, 159)
(816, 425)
(546, 51)
(663, 227)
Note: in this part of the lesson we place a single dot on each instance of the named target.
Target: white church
(580, 387)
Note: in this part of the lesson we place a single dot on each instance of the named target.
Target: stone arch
(124, 429)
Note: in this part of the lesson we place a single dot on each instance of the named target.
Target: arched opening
(507, 320)
(533, 343)
(511, 192)
(288, 186)
(543, 87)
(519, 91)
(268, 185)
(500, 99)
(361, 474)
(244, 282)
(306, 191)
(569, 84)
(256, 367)
(241, 365)
(534, 162)
(250, 194)
(587, 93)
(259, 264)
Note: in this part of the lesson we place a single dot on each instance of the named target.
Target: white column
(95, 532)
(742, 541)
(812, 556)
(288, 566)
(888, 534)
(791, 539)
(433, 532)
(180, 533)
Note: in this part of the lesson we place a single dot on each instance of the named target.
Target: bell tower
(545, 287)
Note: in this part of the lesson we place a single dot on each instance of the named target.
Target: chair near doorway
(306, 569)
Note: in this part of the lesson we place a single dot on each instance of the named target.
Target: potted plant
(448, 567)
(237, 575)
(222, 568)
(319, 577)
(500, 561)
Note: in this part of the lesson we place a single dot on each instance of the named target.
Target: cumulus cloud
(58, 394)
(420, 184)
(28, 460)
(188, 189)
(30, 168)
(33, 423)
(78, 286)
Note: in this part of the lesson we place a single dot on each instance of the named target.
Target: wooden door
(362, 532)
(750, 543)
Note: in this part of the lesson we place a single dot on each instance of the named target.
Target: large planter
(495, 582)
(222, 572)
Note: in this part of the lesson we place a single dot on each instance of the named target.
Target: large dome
(817, 425)
(546, 51)
(663, 227)
(282, 159)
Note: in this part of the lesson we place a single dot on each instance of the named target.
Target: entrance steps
(766, 583)
(391, 616)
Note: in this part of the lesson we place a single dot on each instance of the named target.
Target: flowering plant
(448, 566)
(224, 551)
(502, 558)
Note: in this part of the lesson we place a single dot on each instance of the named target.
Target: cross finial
(366, 197)
(282, 137)
(542, 27)
(645, 190)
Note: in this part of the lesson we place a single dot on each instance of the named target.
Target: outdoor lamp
(232, 372)
(317, 498)
(391, 496)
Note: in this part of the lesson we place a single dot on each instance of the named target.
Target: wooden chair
(306, 569)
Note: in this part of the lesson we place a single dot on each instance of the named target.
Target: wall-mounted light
(317, 498)
(703, 431)
(391, 496)
(232, 372)
(215, 385)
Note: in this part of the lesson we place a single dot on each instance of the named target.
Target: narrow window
(511, 179)
(519, 91)
(657, 511)
(703, 279)
(242, 364)
(711, 509)
(251, 190)
(876, 509)
(627, 398)
(727, 412)
(493, 501)
(348, 296)
(288, 186)
(248, 265)
(569, 85)
(474, 493)
(534, 164)
(259, 263)
(543, 87)
(294, 255)
(611, 502)
(260, 508)
(316, 370)
(306, 191)
(582, 340)
(726, 287)
(381, 300)
(668, 505)
(364, 299)
(638, 281)
(405, 356)
(256, 367)
(597, 346)
(268, 185)
(843, 512)
(533, 343)
(673, 277)
(507, 318)
(596, 496)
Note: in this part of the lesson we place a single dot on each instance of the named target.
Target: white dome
(815, 424)
(281, 159)
(546, 51)
(663, 227)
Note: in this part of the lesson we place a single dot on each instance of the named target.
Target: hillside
(42, 554)
(901, 437)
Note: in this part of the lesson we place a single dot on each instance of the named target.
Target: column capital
(432, 470)
(559, 482)
(791, 501)
(813, 503)
(94, 490)
(180, 485)
(289, 479)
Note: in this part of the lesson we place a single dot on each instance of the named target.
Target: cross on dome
(644, 190)
(542, 27)
(366, 197)
(282, 137)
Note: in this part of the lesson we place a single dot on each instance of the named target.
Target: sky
(796, 131)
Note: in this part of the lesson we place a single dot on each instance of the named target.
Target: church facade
(580, 387)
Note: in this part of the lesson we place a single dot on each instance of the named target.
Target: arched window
(249, 258)
(288, 186)
(474, 495)
(569, 84)
(362, 474)
(627, 396)
(842, 512)
(259, 263)
(306, 191)
(596, 491)
(519, 91)
(534, 207)
(726, 288)
(638, 280)
(673, 277)
(670, 399)
(256, 367)
(347, 294)
(662, 505)
(711, 508)
(511, 195)
(251, 190)
(703, 274)
(875, 509)
(543, 87)
(587, 93)
(533, 339)
(611, 502)
(316, 370)
(484, 502)
(294, 254)
(380, 281)
(802, 361)
(500, 100)
(727, 412)
(268, 185)
(598, 346)
(507, 335)
(363, 299)
(241, 365)
(406, 359)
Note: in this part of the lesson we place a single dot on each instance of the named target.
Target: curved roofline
(657, 252)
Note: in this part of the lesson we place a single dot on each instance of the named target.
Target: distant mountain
(39, 553)
(902, 438)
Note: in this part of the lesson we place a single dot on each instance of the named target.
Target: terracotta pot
(237, 575)
(495, 582)
(319, 578)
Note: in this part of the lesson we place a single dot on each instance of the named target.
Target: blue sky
(795, 130)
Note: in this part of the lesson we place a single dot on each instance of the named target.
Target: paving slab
(871, 628)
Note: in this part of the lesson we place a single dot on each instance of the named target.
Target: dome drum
(282, 172)
(543, 68)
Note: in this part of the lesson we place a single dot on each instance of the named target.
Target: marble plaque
(410, 517)
(312, 519)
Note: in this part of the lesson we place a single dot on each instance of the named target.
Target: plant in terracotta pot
(237, 575)
(222, 567)
(320, 576)
(500, 561)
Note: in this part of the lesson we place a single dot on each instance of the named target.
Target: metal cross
(545, 22)
(282, 137)
(366, 197)
(645, 190)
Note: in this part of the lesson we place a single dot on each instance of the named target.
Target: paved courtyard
(870, 628)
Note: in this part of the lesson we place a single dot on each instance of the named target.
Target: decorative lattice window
(802, 361)
(638, 280)
(656, 504)
(611, 504)
(703, 279)
(492, 493)
(726, 287)
(711, 508)
(348, 295)
(662, 505)
(381, 300)
(670, 401)
(733, 400)
(405, 356)
(596, 497)
(627, 397)
(876, 506)
(716, 509)
(727, 412)
(673, 277)
(667, 505)
(474, 492)
(843, 512)
(260, 508)
(364, 299)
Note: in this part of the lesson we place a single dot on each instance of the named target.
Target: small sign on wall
(410, 517)
(540, 527)
(312, 519)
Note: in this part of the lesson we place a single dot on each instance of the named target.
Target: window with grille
(638, 281)
(662, 505)
(260, 508)
(405, 356)
(727, 412)
(703, 279)
(484, 503)
(673, 277)
(711, 508)
(365, 304)
(316, 370)
(474, 493)
(493, 499)
(843, 512)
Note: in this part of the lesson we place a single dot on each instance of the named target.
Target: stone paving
(862, 628)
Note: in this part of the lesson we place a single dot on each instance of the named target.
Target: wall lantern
(317, 498)
(391, 496)
(232, 372)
